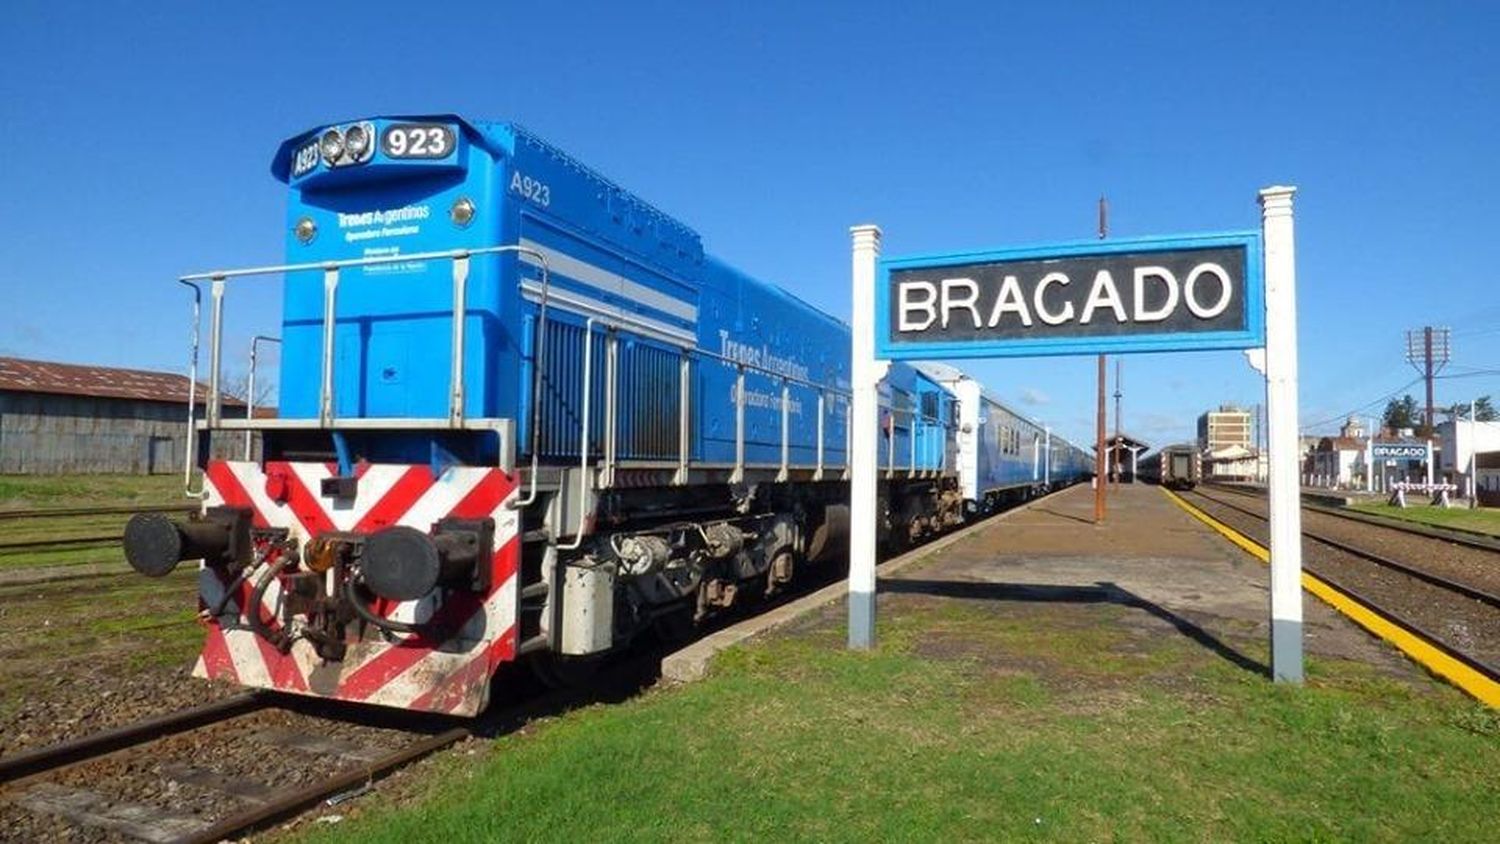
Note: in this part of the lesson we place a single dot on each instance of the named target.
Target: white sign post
(1281, 406)
(863, 454)
(896, 306)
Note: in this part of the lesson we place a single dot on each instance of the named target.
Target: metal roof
(71, 379)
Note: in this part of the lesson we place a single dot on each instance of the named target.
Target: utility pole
(1428, 351)
(1099, 468)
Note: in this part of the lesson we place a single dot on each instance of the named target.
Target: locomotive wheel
(558, 672)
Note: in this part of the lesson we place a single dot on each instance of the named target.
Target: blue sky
(138, 136)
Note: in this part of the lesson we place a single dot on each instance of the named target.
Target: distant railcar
(1174, 467)
(1004, 456)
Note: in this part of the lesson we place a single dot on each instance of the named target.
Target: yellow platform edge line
(1414, 645)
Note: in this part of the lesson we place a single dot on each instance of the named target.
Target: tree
(1484, 411)
(1401, 413)
(237, 386)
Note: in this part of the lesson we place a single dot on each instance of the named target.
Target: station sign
(1179, 293)
(1399, 451)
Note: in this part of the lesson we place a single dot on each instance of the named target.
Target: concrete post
(1281, 404)
(864, 421)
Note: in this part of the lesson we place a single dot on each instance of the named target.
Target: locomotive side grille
(647, 397)
(562, 393)
(650, 384)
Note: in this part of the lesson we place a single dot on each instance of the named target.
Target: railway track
(1457, 617)
(75, 512)
(1458, 536)
(59, 542)
(321, 752)
(1453, 585)
(90, 783)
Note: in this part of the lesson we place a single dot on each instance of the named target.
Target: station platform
(1320, 495)
(1149, 555)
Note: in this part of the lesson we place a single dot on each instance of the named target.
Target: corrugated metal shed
(60, 418)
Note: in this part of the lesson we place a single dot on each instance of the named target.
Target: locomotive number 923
(416, 140)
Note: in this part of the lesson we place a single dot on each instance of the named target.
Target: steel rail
(1411, 571)
(59, 512)
(1458, 536)
(64, 542)
(42, 759)
(296, 800)
(1490, 672)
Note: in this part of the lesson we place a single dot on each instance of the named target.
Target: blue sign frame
(1254, 334)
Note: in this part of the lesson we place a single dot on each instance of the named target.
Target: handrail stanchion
(460, 308)
(786, 430)
(192, 404)
(539, 373)
(739, 425)
(913, 419)
(848, 435)
(330, 309)
(215, 347)
(818, 473)
(611, 402)
(583, 437)
(684, 416)
(250, 389)
(890, 444)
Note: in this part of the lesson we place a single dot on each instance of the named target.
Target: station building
(62, 418)
(1122, 457)
(1459, 442)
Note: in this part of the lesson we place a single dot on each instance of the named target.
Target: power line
(1477, 373)
(1367, 405)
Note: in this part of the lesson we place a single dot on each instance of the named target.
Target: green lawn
(1485, 519)
(976, 720)
(23, 491)
(26, 492)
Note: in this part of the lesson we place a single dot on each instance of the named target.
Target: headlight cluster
(352, 144)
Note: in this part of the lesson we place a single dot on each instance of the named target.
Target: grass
(110, 626)
(106, 626)
(1485, 520)
(978, 720)
(25, 491)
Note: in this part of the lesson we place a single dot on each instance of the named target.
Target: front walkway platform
(1148, 554)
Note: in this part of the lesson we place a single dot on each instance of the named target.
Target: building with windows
(1226, 427)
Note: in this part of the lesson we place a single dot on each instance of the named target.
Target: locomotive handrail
(326, 409)
(250, 388)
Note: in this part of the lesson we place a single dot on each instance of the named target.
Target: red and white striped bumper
(450, 675)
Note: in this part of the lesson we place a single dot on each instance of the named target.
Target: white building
(1460, 439)
(1336, 462)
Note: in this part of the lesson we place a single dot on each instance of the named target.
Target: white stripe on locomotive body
(603, 280)
(586, 306)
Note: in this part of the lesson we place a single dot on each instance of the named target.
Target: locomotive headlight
(357, 142)
(462, 212)
(305, 230)
(332, 145)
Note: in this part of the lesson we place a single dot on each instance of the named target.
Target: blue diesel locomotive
(522, 413)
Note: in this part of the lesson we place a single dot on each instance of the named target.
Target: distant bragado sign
(1399, 451)
(1143, 295)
